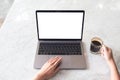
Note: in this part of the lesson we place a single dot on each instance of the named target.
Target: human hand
(106, 52)
(49, 69)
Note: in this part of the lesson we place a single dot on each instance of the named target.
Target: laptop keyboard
(59, 49)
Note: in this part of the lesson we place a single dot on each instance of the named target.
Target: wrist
(111, 62)
(39, 76)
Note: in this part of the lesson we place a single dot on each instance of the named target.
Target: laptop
(60, 33)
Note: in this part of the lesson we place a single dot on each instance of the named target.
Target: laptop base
(68, 61)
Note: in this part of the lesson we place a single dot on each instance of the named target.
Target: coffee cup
(96, 44)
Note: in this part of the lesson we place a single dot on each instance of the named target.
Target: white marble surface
(18, 38)
(4, 8)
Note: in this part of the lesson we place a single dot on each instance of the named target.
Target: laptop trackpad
(68, 61)
(73, 62)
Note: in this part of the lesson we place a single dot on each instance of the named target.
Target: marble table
(18, 38)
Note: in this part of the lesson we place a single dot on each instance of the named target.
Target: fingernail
(60, 57)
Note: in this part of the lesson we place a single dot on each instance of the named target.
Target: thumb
(102, 50)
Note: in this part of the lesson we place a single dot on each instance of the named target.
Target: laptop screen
(60, 24)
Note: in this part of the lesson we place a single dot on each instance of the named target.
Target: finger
(56, 70)
(55, 59)
(102, 54)
(54, 64)
(104, 47)
(52, 59)
(101, 50)
(57, 62)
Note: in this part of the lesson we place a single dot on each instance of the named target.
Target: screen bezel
(74, 11)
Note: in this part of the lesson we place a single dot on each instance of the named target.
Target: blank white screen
(54, 25)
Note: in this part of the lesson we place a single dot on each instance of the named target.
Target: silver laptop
(60, 34)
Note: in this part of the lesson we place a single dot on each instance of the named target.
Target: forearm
(114, 70)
